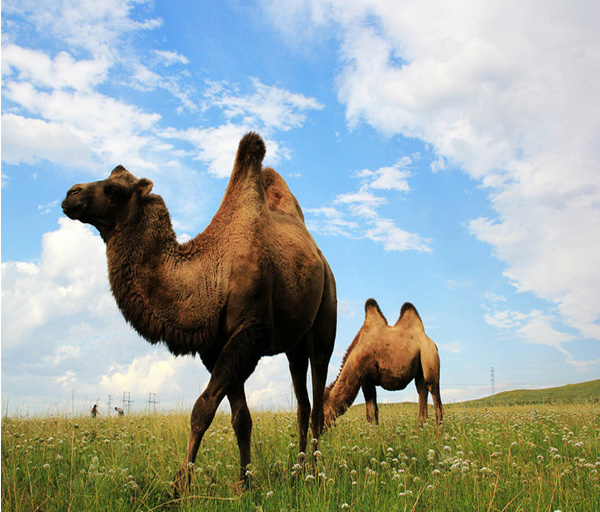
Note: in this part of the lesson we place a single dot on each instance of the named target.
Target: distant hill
(571, 393)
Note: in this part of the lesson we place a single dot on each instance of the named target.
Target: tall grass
(528, 458)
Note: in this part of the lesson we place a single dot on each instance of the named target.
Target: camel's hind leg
(321, 340)
(370, 393)
(434, 388)
(234, 365)
(242, 426)
(298, 362)
(437, 404)
(319, 363)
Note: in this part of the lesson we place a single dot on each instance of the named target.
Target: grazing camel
(390, 357)
(252, 284)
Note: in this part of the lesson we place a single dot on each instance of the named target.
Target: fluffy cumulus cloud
(70, 337)
(506, 92)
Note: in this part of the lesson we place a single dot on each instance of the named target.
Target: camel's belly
(395, 377)
(395, 384)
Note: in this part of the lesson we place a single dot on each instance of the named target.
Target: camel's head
(106, 203)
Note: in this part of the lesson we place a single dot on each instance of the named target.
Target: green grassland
(587, 392)
(533, 457)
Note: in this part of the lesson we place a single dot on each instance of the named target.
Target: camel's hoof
(181, 483)
(241, 486)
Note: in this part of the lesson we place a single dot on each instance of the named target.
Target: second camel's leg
(370, 393)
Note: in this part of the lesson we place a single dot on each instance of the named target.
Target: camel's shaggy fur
(254, 283)
(390, 357)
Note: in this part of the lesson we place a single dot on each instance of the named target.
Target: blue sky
(444, 155)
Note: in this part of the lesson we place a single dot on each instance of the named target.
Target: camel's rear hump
(279, 196)
(409, 316)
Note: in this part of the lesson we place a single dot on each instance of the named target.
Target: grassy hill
(587, 392)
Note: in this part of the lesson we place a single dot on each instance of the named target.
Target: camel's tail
(250, 154)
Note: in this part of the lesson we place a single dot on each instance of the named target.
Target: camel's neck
(157, 282)
(341, 393)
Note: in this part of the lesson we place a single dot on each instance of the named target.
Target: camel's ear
(144, 186)
(373, 313)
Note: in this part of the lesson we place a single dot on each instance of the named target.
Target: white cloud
(390, 178)
(267, 109)
(329, 220)
(26, 140)
(62, 72)
(91, 123)
(538, 328)
(56, 110)
(394, 238)
(55, 288)
(357, 214)
(507, 93)
(154, 371)
(270, 106)
(270, 386)
(215, 146)
(70, 332)
(86, 24)
(171, 58)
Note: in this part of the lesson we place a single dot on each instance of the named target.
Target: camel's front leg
(202, 415)
(370, 393)
(234, 365)
(423, 393)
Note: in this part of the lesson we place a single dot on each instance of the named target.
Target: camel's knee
(203, 412)
(241, 421)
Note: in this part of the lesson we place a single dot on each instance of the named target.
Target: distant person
(95, 411)
(120, 411)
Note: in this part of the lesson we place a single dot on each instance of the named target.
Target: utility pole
(493, 383)
(109, 404)
(152, 401)
(127, 401)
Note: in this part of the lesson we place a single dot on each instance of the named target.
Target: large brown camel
(390, 357)
(252, 284)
